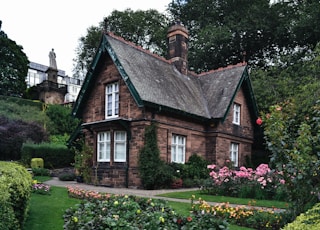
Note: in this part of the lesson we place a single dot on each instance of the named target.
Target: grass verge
(224, 199)
(46, 211)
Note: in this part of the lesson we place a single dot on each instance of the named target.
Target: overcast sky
(40, 25)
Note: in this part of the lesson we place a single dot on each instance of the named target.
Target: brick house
(211, 114)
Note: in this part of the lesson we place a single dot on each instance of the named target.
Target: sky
(41, 25)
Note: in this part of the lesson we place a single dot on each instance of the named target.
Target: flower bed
(40, 188)
(242, 215)
(262, 183)
(129, 212)
(105, 211)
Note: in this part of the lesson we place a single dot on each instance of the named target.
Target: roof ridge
(223, 68)
(135, 46)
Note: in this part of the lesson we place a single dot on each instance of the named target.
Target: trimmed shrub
(8, 220)
(40, 172)
(309, 220)
(54, 155)
(36, 163)
(67, 177)
(17, 181)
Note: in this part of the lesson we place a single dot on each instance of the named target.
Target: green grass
(46, 211)
(224, 199)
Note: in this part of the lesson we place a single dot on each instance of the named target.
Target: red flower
(259, 121)
(179, 221)
(189, 218)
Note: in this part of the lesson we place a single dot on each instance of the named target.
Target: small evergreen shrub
(154, 173)
(37, 163)
(40, 172)
(67, 177)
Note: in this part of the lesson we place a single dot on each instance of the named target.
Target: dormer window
(236, 114)
(112, 100)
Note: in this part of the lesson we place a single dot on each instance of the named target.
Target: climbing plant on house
(154, 173)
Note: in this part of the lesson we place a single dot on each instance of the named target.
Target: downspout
(128, 159)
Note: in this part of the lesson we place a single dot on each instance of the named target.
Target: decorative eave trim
(244, 79)
(122, 72)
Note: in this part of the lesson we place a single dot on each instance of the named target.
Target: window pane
(120, 146)
(178, 149)
(103, 146)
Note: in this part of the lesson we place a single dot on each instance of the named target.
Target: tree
(224, 32)
(295, 151)
(290, 78)
(154, 173)
(144, 28)
(61, 120)
(13, 67)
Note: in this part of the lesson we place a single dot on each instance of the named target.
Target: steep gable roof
(154, 81)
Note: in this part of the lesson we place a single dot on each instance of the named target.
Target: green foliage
(67, 177)
(83, 161)
(306, 221)
(130, 212)
(13, 67)
(59, 139)
(16, 108)
(145, 28)
(294, 145)
(54, 155)
(153, 171)
(289, 79)
(61, 120)
(36, 163)
(7, 216)
(40, 172)
(17, 181)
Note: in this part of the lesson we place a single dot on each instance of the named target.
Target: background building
(37, 73)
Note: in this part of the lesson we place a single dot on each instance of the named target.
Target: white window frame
(103, 146)
(120, 156)
(236, 114)
(234, 153)
(178, 148)
(112, 100)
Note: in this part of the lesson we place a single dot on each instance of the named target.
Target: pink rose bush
(261, 183)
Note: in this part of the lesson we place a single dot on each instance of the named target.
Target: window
(105, 141)
(112, 100)
(103, 148)
(120, 146)
(236, 114)
(234, 153)
(178, 148)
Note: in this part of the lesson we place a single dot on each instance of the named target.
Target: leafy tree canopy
(13, 67)
(144, 28)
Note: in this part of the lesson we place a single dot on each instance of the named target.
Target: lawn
(46, 211)
(224, 199)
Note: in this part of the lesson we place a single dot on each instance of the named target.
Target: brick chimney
(177, 38)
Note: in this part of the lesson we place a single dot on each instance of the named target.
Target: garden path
(135, 192)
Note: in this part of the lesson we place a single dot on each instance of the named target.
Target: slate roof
(154, 81)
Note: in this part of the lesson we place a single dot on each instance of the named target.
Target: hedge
(310, 220)
(15, 191)
(53, 155)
